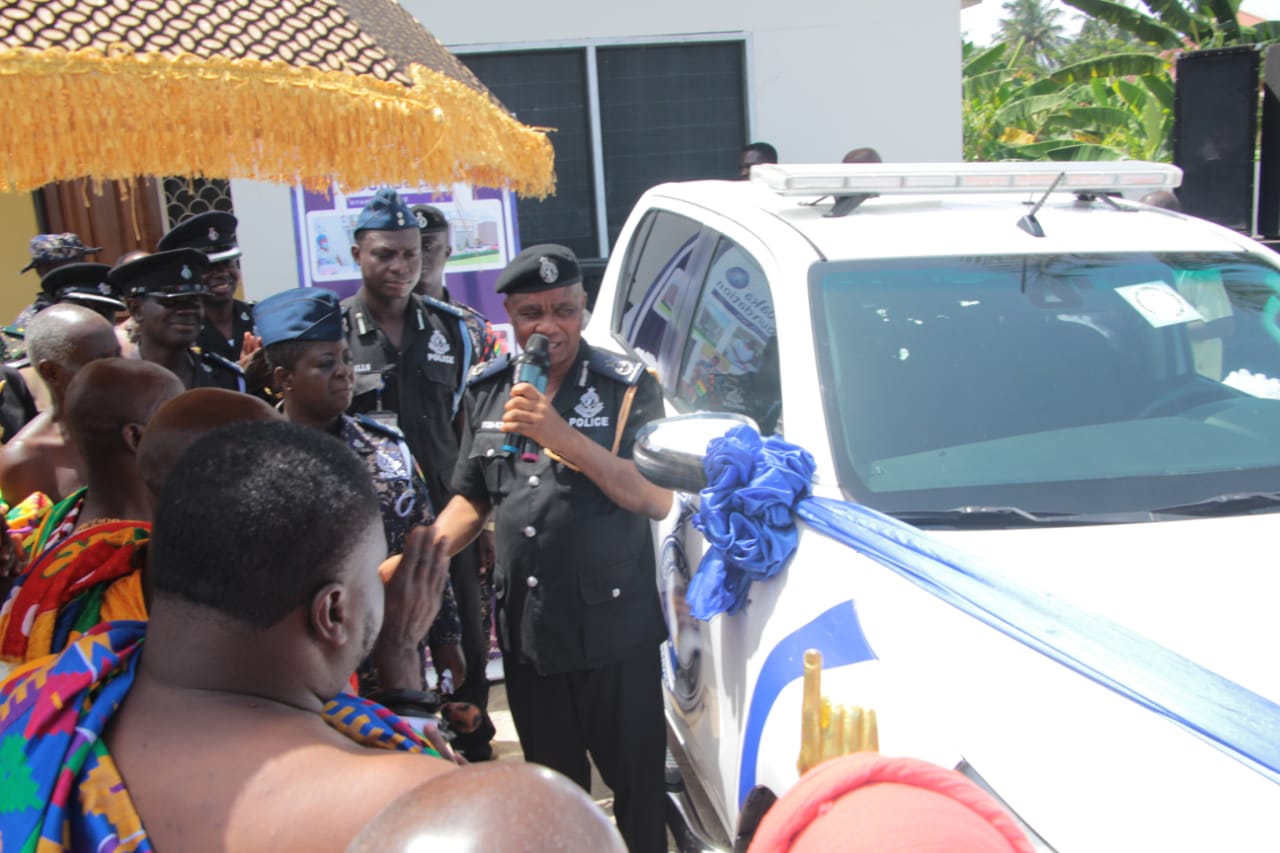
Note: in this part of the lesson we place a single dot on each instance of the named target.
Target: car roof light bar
(810, 179)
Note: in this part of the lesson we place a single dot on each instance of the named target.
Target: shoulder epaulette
(378, 427)
(18, 364)
(467, 309)
(219, 361)
(442, 306)
(625, 370)
(486, 369)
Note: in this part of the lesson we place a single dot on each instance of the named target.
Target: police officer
(48, 252)
(578, 613)
(226, 319)
(409, 357)
(304, 341)
(164, 293)
(470, 336)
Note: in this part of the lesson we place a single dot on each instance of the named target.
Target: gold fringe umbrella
(310, 91)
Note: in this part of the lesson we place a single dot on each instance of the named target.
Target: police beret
(212, 232)
(429, 218)
(299, 314)
(541, 267)
(176, 272)
(55, 248)
(87, 284)
(385, 212)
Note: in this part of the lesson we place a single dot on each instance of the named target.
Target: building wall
(18, 224)
(265, 233)
(824, 76)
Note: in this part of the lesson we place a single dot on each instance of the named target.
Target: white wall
(824, 76)
(265, 233)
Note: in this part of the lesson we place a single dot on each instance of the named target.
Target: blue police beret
(168, 274)
(300, 314)
(212, 232)
(85, 284)
(385, 212)
(541, 267)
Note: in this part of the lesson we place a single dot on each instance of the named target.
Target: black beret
(86, 284)
(385, 212)
(299, 314)
(212, 232)
(430, 218)
(541, 267)
(176, 272)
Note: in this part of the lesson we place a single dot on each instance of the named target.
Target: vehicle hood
(1204, 588)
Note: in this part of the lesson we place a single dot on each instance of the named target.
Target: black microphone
(531, 366)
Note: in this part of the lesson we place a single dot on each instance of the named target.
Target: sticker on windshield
(1159, 304)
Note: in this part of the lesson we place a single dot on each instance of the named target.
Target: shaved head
(110, 395)
(63, 338)
(185, 419)
(455, 811)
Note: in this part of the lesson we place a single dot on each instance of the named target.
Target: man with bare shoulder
(220, 725)
(60, 340)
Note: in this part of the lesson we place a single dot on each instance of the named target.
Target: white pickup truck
(1065, 404)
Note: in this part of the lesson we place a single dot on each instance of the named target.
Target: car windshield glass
(1052, 384)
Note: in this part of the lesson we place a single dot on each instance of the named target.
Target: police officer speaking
(578, 613)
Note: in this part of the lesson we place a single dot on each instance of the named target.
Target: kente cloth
(59, 521)
(22, 518)
(60, 788)
(61, 594)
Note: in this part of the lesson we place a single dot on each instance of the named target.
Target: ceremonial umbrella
(310, 91)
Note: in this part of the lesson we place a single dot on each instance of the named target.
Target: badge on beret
(548, 270)
(421, 217)
(186, 272)
(213, 235)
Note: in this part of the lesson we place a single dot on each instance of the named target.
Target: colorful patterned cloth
(75, 584)
(60, 789)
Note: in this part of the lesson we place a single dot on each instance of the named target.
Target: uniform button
(489, 452)
(534, 480)
(530, 532)
(615, 592)
(532, 581)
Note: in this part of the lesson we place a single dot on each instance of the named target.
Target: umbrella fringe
(122, 115)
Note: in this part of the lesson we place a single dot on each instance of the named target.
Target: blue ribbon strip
(757, 488)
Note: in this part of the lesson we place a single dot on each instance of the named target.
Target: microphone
(531, 366)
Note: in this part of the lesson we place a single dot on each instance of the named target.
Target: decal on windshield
(1159, 304)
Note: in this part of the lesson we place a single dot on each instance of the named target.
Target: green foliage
(1106, 94)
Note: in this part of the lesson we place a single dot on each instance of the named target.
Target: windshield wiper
(988, 516)
(1232, 503)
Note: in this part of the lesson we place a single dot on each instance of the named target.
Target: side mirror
(669, 451)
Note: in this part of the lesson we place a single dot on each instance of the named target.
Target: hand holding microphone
(531, 366)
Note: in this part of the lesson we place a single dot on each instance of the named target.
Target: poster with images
(483, 235)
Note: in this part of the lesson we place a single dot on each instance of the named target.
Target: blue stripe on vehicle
(837, 633)
(1232, 718)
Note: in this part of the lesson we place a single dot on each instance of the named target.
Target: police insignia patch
(213, 235)
(547, 270)
(186, 272)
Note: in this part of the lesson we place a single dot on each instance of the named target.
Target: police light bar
(810, 179)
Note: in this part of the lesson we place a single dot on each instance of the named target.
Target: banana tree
(1174, 25)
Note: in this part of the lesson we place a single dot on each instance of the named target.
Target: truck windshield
(1052, 384)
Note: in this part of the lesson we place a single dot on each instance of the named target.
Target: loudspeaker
(1215, 125)
(1269, 148)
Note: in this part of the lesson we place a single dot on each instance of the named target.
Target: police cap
(541, 267)
(57, 248)
(300, 314)
(430, 218)
(164, 275)
(385, 212)
(85, 284)
(212, 232)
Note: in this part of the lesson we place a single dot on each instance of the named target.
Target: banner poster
(483, 230)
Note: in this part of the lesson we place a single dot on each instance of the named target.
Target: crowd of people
(238, 534)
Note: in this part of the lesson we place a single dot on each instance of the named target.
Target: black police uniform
(578, 612)
(417, 388)
(210, 370)
(211, 340)
(17, 407)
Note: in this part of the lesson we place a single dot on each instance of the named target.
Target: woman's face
(321, 383)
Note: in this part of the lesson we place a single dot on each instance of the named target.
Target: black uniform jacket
(575, 577)
(419, 387)
(211, 340)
